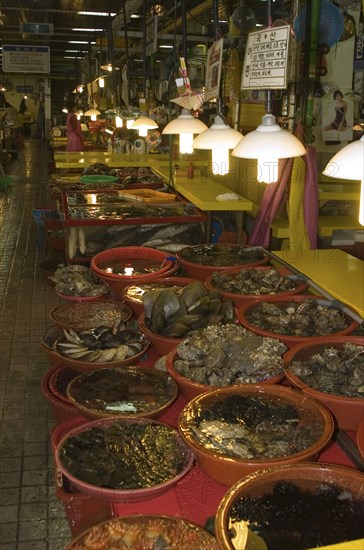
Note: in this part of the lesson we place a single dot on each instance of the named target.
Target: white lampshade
(268, 143)
(219, 138)
(185, 125)
(348, 163)
(143, 124)
(92, 112)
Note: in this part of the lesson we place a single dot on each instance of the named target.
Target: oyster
(334, 369)
(305, 318)
(220, 355)
(252, 281)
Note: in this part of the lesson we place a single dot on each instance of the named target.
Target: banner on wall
(213, 70)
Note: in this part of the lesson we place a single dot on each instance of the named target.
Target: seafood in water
(129, 211)
(222, 254)
(125, 455)
(127, 390)
(305, 318)
(176, 315)
(249, 427)
(146, 533)
(332, 369)
(78, 280)
(223, 355)
(102, 344)
(281, 515)
(252, 281)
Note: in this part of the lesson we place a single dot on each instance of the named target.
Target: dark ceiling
(62, 14)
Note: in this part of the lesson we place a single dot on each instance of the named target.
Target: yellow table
(334, 271)
(202, 192)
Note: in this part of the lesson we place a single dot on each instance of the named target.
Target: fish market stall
(97, 221)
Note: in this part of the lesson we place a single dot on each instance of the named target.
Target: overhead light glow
(83, 29)
(134, 16)
(80, 42)
(75, 51)
(98, 13)
(73, 57)
(166, 46)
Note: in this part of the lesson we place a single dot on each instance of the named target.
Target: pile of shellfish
(176, 315)
(101, 344)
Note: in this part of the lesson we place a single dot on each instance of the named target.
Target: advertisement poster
(337, 116)
(213, 70)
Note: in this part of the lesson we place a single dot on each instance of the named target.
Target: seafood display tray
(124, 213)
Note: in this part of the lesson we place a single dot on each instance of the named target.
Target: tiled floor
(31, 517)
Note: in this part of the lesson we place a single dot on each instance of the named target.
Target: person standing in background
(74, 131)
(12, 119)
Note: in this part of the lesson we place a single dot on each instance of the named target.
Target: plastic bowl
(130, 254)
(191, 388)
(132, 295)
(244, 311)
(187, 535)
(348, 411)
(62, 408)
(126, 495)
(306, 476)
(152, 392)
(228, 470)
(360, 438)
(241, 299)
(86, 315)
(161, 345)
(198, 270)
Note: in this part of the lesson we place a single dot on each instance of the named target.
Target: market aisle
(31, 517)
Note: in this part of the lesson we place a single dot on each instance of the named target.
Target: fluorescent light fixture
(75, 51)
(268, 143)
(134, 16)
(348, 163)
(80, 42)
(118, 121)
(83, 29)
(97, 13)
(166, 46)
(73, 57)
(219, 138)
(101, 82)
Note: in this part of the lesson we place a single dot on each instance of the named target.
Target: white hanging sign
(213, 70)
(26, 59)
(265, 61)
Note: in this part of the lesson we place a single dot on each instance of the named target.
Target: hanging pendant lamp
(268, 143)
(348, 163)
(185, 125)
(220, 138)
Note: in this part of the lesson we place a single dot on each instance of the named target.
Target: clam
(175, 315)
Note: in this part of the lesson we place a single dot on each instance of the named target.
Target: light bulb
(143, 132)
(93, 117)
(25, 96)
(101, 82)
(220, 161)
(361, 203)
(267, 170)
(129, 123)
(185, 143)
(109, 68)
(118, 122)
